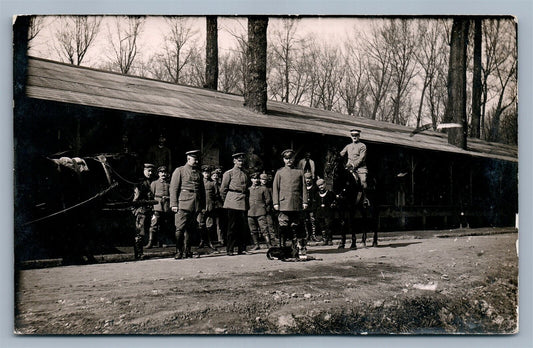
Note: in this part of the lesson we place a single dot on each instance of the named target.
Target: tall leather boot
(283, 235)
(187, 245)
(138, 248)
(179, 245)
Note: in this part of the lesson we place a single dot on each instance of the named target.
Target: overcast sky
(327, 29)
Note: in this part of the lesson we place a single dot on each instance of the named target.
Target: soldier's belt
(238, 191)
(193, 191)
(157, 196)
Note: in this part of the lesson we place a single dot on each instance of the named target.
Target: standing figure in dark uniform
(233, 190)
(309, 214)
(143, 213)
(260, 199)
(205, 218)
(187, 200)
(324, 205)
(289, 195)
(162, 214)
(219, 216)
(159, 154)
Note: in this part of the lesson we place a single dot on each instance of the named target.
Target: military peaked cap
(238, 155)
(308, 175)
(320, 182)
(149, 166)
(263, 176)
(355, 131)
(193, 153)
(289, 153)
(162, 169)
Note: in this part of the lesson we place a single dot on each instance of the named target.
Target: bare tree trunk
(456, 105)
(20, 58)
(255, 95)
(211, 53)
(476, 83)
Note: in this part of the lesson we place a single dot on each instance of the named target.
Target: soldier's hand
(305, 205)
(276, 206)
(175, 209)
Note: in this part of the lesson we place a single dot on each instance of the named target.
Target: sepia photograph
(265, 175)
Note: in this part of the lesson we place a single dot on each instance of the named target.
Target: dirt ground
(463, 284)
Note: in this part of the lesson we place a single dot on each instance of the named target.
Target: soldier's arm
(344, 151)
(224, 187)
(362, 155)
(203, 198)
(136, 193)
(175, 185)
(305, 194)
(275, 191)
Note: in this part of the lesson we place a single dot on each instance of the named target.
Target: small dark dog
(282, 253)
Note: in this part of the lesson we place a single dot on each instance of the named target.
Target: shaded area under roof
(65, 83)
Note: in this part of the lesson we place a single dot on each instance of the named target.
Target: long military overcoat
(187, 190)
(289, 190)
(233, 189)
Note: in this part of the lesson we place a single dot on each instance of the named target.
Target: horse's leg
(342, 227)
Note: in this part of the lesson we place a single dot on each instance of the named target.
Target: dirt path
(437, 285)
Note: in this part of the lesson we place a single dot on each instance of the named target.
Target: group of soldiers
(293, 206)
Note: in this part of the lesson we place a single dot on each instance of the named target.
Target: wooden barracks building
(421, 181)
(419, 177)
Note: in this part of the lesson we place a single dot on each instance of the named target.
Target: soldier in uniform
(266, 181)
(187, 200)
(162, 213)
(159, 154)
(218, 212)
(309, 214)
(143, 212)
(260, 199)
(205, 218)
(356, 162)
(289, 195)
(233, 190)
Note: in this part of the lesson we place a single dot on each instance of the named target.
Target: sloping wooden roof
(78, 85)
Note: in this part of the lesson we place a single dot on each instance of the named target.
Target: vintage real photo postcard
(265, 175)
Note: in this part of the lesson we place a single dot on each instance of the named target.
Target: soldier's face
(263, 181)
(308, 181)
(255, 181)
(322, 187)
(163, 175)
(192, 161)
(214, 177)
(148, 172)
(206, 175)
(238, 162)
(355, 138)
(288, 161)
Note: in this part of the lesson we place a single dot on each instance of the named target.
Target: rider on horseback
(356, 162)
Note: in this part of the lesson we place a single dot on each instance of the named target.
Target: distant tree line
(393, 70)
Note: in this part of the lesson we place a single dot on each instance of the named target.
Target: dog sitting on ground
(282, 253)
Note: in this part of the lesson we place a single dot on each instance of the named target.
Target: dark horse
(351, 200)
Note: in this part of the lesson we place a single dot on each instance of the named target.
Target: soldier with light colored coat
(290, 198)
(187, 200)
(234, 192)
